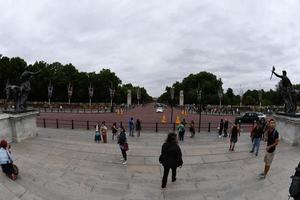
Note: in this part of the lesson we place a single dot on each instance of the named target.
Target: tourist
(122, 141)
(192, 128)
(131, 126)
(235, 133)
(225, 128)
(257, 138)
(170, 158)
(103, 130)
(221, 128)
(272, 142)
(6, 160)
(181, 131)
(114, 130)
(138, 127)
(253, 131)
(97, 133)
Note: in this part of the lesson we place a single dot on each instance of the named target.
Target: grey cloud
(156, 43)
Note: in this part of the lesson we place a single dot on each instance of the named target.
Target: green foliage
(207, 82)
(60, 76)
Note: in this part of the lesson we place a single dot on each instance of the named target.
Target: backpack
(295, 185)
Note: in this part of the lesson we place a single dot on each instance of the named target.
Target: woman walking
(103, 130)
(192, 128)
(235, 132)
(97, 133)
(138, 127)
(122, 141)
(6, 160)
(170, 158)
(114, 130)
(221, 128)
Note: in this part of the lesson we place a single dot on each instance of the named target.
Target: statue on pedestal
(19, 93)
(287, 91)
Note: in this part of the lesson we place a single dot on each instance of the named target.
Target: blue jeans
(256, 144)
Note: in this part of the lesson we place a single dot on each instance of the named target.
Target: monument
(288, 122)
(181, 98)
(19, 123)
(129, 98)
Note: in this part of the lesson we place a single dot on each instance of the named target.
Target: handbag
(125, 146)
(16, 169)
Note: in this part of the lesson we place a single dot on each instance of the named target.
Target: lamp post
(138, 95)
(91, 93)
(172, 91)
(112, 93)
(241, 96)
(50, 91)
(260, 97)
(199, 107)
(70, 92)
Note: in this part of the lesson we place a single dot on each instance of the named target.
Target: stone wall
(288, 128)
(17, 127)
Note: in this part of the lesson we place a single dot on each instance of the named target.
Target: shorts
(269, 158)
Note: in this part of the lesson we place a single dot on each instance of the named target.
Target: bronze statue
(19, 93)
(287, 91)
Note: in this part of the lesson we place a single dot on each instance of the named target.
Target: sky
(155, 43)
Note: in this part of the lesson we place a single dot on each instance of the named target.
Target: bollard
(72, 124)
(156, 127)
(208, 126)
(57, 123)
(174, 125)
(121, 123)
(44, 123)
(87, 125)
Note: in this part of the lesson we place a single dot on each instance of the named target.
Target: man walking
(131, 126)
(272, 142)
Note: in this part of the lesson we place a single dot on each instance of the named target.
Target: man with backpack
(295, 185)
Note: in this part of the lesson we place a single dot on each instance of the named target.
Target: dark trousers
(124, 154)
(181, 136)
(131, 131)
(166, 173)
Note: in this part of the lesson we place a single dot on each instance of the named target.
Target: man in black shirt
(272, 142)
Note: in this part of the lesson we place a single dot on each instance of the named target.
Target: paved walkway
(68, 165)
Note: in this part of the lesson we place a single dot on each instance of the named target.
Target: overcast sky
(155, 43)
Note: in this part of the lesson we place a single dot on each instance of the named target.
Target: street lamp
(112, 93)
(260, 97)
(199, 107)
(172, 91)
(138, 95)
(50, 91)
(91, 93)
(70, 92)
(241, 96)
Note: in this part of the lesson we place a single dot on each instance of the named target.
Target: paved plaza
(63, 164)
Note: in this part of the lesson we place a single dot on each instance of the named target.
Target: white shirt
(4, 156)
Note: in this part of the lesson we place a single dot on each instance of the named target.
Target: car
(261, 116)
(159, 109)
(250, 117)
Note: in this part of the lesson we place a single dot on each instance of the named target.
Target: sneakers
(124, 163)
(173, 180)
(220, 136)
(256, 154)
(251, 151)
(261, 176)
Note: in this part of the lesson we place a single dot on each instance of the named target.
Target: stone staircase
(67, 165)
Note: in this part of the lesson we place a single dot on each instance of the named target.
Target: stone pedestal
(288, 128)
(17, 127)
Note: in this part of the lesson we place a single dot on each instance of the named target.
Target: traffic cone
(182, 112)
(122, 111)
(185, 113)
(177, 120)
(163, 119)
(118, 111)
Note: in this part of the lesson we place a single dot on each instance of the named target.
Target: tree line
(61, 75)
(210, 88)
